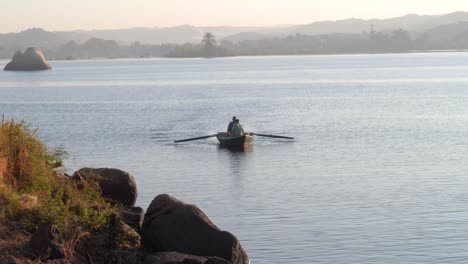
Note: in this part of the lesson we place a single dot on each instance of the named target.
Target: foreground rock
(176, 258)
(116, 185)
(133, 216)
(47, 243)
(171, 225)
(31, 60)
(140, 257)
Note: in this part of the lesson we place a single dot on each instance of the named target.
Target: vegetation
(33, 193)
(372, 42)
(208, 45)
(367, 42)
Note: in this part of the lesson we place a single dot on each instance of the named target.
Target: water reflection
(236, 158)
(238, 149)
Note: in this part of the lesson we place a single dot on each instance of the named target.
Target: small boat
(228, 141)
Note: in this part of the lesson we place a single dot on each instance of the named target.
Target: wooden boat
(228, 141)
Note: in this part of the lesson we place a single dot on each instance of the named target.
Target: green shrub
(56, 156)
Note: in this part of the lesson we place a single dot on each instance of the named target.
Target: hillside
(421, 32)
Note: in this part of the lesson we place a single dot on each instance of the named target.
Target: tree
(209, 40)
(208, 45)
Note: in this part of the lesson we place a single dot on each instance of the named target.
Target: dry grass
(3, 169)
(24, 158)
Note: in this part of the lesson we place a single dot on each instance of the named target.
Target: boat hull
(228, 141)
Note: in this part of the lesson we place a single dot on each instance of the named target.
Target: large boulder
(171, 225)
(47, 243)
(117, 185)
(31, 60)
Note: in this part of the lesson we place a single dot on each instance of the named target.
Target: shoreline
(49, 216)
(256, 56)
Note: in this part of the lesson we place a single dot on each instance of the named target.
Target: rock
(9, 260)
(47, 243)
(129, 238)
(31, 60)
(133, 216)
(179, 258)
(122, 235)
(62, 177)
(116, 185)
(125, 257)
(171, 225)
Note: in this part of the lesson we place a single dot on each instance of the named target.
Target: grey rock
(31, 60)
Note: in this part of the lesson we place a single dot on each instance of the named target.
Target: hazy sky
(16, 15)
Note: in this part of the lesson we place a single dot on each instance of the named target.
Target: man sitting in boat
(237, 130)
(231, 124)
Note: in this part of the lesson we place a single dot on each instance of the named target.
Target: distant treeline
(397, 41)
(372, 42)
(367, 42)
(97, 48)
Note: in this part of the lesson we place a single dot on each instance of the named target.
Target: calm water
(378, 172)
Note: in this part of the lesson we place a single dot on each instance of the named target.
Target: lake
(378, 172)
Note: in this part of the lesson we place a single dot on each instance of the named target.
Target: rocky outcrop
(116, 185)
(171, 225)
(133, 216)
(129, 237)
(31, 60)
(178, 258)
(47, 243)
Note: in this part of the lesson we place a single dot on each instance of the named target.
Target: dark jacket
(230, 126)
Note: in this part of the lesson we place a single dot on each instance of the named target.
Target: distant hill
(31, 37)
(413, 23)
(448, 31)
(246, 36)
(451, 36)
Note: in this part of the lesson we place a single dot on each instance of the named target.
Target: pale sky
(16, 15)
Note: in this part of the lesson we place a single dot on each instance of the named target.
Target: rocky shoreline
(170, 231)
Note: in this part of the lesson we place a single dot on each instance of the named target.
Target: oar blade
(196, 138)
(272, 136)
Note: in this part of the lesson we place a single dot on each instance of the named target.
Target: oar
(197, 138)
(272, 136)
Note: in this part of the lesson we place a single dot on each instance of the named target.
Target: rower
(237, 130)
(230, 125)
